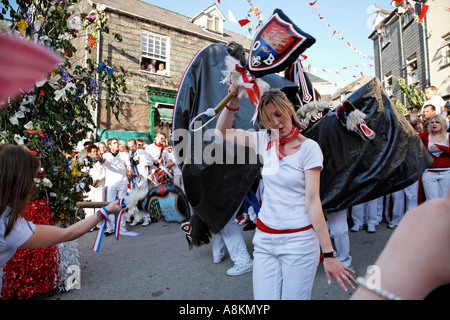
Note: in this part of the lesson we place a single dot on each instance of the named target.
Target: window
(412, 74)
(445, 51)
(387, 84)
(155, 53)
(386, 37)
(407, 18)
(213, 23)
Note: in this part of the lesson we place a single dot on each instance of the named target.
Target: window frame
(410, 75)
(158, 56)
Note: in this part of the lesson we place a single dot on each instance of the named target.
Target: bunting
(253, 11)
(312, 4)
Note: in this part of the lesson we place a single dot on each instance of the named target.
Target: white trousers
(398, 208)
(337, 222)
(366, 212)
(95, 195)
(284, 265)
(231, 238)
(436, 184)
(411, 194)
(112, 193)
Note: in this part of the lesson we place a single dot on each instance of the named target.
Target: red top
(442, 161)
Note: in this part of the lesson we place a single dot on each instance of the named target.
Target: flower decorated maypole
(56, 114)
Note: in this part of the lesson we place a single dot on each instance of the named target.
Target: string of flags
(256, 12)
(336, 31)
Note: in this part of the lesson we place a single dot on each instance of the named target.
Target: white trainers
(218, 259)
(145, 223)
(135, 222)
(355, 228)
(371, 228)
(240, 268)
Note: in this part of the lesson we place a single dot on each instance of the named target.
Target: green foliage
(414, 97)
(58, 113)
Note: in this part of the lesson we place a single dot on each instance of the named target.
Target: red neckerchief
(281, 142)
(160, 146)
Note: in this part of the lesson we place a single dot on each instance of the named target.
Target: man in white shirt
(140, 162)
(434, 99)
(97, 192)
(117, 166)
(158, 152)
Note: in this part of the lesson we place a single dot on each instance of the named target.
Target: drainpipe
(379, 58)
(402, 59)
(426, 52)
(97, 79)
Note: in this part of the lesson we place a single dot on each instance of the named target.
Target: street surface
(158, 265)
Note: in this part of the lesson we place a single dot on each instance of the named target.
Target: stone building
(151, 34)
(417, 52)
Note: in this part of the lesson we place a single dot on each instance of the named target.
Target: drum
(161, 176)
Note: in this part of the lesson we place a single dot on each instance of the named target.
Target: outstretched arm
(45, 236)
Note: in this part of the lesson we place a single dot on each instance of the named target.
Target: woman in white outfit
(291, 226)
(18, 168)
(436, 179)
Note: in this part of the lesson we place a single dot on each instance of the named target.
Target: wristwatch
(331, 254)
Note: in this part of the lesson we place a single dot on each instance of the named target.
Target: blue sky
(351, 17)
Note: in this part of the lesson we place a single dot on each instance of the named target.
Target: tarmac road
(158, 265)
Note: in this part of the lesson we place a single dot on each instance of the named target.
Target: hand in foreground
(333, 267)
(235, 101)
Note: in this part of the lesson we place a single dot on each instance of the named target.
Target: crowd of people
(120, 166)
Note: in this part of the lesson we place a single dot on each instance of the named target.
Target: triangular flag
(231, 16)
(244, 22)
(423, 12)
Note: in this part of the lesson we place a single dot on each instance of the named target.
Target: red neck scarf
(281, 142)
(161, 146)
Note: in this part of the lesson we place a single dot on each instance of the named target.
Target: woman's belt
(262, 227)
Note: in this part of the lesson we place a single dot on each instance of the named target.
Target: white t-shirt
(283, 205)
(155, 152)
(98, 172)
(21, 232)
(175, 168)
(144, 162)
(116, 168)
(435, 151)
(437, 102)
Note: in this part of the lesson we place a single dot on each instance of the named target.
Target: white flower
(52, 194)
(47, 183)
(18, 139)
(62, 93)
(29, 125)
(15, 118)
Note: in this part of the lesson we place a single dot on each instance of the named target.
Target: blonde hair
(279, 100)
(443, 123)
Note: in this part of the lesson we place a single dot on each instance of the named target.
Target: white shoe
(109, 231)
(218, 259)
(370, 228)
(355, 228)
(145, 223)
(135, 222)
(240, 268)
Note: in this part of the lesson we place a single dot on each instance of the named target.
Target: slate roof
(164, 17)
